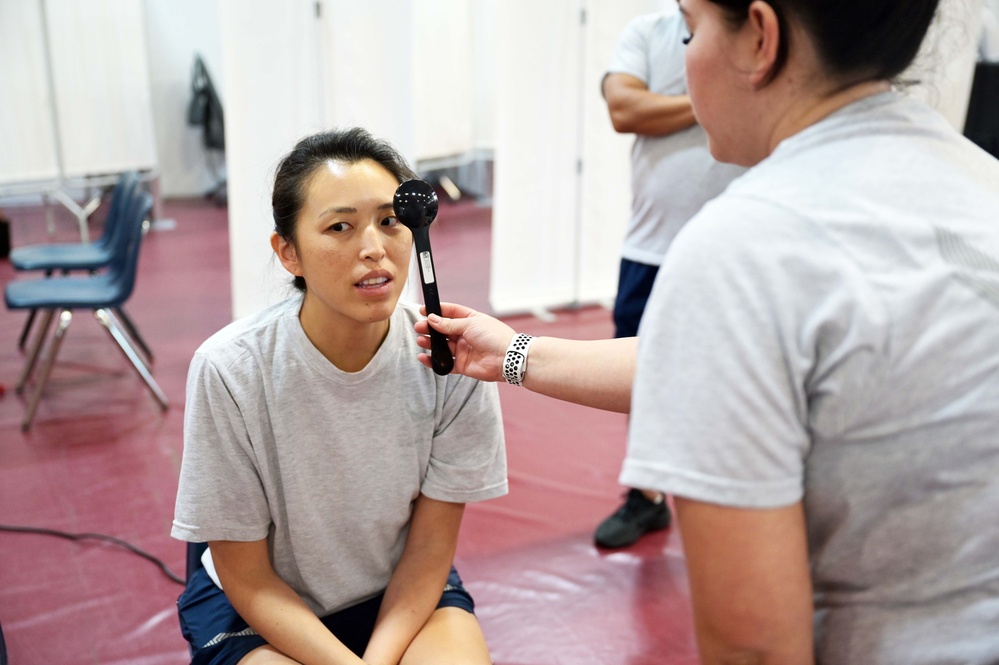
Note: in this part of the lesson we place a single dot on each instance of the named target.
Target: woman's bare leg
(452, 636)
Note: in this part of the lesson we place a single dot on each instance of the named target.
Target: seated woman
(326, 469)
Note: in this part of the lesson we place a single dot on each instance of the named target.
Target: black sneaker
(637, 517)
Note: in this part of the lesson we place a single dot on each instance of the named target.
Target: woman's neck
(348, 344)
(809, 108)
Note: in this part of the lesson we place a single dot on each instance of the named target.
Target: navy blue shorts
(634, 284)
(219, 636)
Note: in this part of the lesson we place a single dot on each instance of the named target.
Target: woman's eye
(686, 40)
(390, 221)
(339, 227)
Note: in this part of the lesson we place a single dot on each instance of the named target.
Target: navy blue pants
(219, 636)
(634, 284)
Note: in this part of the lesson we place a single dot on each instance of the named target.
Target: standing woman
(817, 372)
(327, 471)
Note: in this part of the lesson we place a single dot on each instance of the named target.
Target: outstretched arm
(595, 373)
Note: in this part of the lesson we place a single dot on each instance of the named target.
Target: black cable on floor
(95, 536)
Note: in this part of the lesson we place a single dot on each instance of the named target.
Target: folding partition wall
(27, 125)
(76, 101)
(273, 97)
(562, 195)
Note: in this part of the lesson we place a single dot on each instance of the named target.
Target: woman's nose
(372, 245)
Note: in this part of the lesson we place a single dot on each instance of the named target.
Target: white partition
(536, 184)
(101, 78)
(562, 194)
(177, 31)
(27, 136)
(76, 108)
(368, 71)
(271, 57)
(605, 196)
(404, 70)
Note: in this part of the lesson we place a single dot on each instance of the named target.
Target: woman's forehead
(343, 185)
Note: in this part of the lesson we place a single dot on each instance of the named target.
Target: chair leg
(118, 335)
(65, 318)
(134, 332)
(36, 347)
(111, 315)
(23, 339)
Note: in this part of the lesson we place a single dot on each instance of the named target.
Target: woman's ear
(763, 28)
(286, 253)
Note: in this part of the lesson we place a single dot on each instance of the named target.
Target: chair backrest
(125, 261)
(122, 195)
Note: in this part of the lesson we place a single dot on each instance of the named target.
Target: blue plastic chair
(93, 255)
(103, 293)
(90, 256)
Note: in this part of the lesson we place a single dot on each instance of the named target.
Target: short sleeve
(468, 457)
(219, 496)
(754, 315)
(631, 52)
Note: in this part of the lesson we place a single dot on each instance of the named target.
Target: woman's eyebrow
(348, 210)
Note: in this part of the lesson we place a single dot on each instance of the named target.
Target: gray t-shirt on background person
(280, 443)
(828, 330)
(671, 176)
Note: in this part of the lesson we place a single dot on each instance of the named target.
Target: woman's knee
(450, 636)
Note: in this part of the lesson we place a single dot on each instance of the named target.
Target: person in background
(816, 377)
(327, 473)
(672, 176)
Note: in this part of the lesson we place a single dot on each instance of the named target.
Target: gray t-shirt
(280, 444)
(671, 176)
(828, 330)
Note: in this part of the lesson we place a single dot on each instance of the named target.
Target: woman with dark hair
(328, 471)
(816, 377)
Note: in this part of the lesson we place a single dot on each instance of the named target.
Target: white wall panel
(270, 54)
(101, 77)
(403, 70)
(484, 53)
(605, 196)
(443, 77)
(367, 68)
(27, 135)
(176, 30)
(75, 78)
(536, 182)
(562, 193)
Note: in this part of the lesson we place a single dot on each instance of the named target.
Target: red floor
(101, 457)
